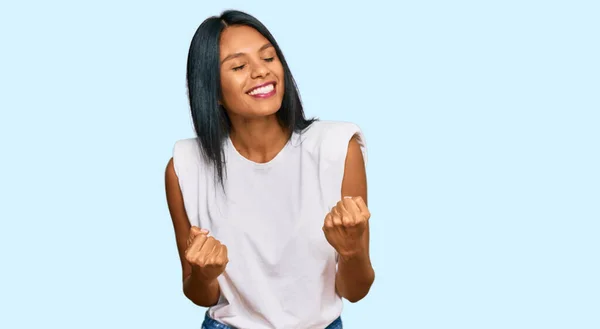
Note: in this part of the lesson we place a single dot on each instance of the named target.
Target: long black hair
(211, 122)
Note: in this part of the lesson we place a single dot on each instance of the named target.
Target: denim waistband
(210, 323)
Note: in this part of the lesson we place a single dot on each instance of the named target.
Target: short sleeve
(186, 166)
(336, 138)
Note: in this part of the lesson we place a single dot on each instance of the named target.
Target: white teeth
(262, 90)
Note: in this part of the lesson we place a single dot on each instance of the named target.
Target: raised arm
(347, 229)
(197, 287)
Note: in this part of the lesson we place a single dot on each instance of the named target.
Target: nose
(259, 70)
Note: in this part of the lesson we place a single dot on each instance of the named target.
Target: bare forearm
(354, 277)
(201, 293)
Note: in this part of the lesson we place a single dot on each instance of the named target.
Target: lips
(263, 90)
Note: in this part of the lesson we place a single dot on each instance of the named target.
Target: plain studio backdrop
(481, 120)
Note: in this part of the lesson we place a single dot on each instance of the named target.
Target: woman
(269, 208)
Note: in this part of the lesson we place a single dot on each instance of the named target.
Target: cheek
(278, 70)
(231, 87)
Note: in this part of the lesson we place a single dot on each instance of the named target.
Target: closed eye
(270, 59)
(237, 68)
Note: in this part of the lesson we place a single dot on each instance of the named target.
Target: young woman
(269, 208)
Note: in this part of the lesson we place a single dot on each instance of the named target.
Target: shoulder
(326, 129)
(186, 153)
(185, 145)
(335, 139)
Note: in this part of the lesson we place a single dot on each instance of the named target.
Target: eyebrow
(236, 55)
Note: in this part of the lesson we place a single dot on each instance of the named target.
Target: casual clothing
(281, 270)
(210, 323)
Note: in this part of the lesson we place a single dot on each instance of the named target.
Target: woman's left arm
(347, 229)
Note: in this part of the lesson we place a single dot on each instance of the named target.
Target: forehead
(240, 39)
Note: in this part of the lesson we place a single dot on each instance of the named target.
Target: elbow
(362, 293)
(190, 297)
(357, 297)
(198, 300)
(353, 300)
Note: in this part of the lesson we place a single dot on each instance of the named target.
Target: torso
(281, 270)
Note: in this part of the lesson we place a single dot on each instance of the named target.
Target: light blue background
(481, 118)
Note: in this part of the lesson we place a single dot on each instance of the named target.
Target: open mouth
(262, 91)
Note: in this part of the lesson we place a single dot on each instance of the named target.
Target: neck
(258, 140)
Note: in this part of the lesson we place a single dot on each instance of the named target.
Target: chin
(266, 110)
(267, 107)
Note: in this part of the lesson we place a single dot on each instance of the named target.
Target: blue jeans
(210, 323)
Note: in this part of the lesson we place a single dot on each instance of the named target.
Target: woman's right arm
(200, 291)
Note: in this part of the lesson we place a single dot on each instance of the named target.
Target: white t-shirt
(281, 270)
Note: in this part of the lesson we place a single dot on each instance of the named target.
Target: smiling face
(251, 74)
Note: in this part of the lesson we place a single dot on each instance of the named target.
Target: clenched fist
(206, 254)
(345, 226)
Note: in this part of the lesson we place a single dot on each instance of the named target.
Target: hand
(207, 255)
(346, 224)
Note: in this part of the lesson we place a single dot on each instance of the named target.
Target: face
(251, 74)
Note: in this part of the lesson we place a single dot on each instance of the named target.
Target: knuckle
(189, 253)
